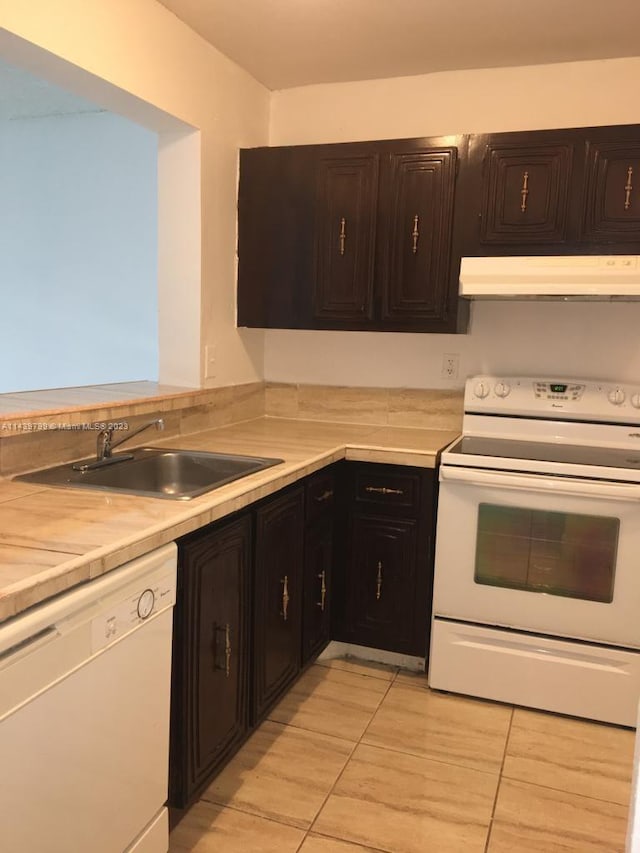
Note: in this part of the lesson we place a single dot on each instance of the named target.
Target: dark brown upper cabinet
(416, 217)
(517, 190)
(526, 193)
(345, 238)
(553, 192)
(354, 236)
(612, 190)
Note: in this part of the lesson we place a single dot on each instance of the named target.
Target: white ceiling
(23, 95)
(285, 43)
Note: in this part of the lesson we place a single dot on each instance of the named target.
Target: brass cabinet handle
(628, 189)
(343, 234)
(415, 233)
(524, 192)
(227, 650)
(328, 493)
(379, 582)
(285, 597)
(323, 589)
(382, 490)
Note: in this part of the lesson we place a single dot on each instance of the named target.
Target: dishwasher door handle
(25, 647)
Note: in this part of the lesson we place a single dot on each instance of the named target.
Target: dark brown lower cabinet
(386, 578)
(318, 568)
(319, 545)
(277, 598)
(383, 581)
(210, 704)
(346, 554)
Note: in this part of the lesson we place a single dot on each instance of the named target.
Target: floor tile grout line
(346, 764)
(565, 791)
(367, 847)
(351, 672)
(427, 757)
(236, 808)
(300, 728)
(495, 799)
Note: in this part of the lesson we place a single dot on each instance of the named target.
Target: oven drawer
(596, 682)
(383, 486)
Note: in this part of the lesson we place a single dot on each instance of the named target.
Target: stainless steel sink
(156, 472)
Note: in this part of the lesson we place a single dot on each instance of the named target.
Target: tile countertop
(52, 539)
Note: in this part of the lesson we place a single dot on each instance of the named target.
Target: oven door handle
(542, 483)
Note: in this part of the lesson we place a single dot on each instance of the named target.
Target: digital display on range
(558, 389)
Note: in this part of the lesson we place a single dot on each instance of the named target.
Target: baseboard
(340, 650)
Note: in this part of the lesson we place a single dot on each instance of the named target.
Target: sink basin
(156, 472)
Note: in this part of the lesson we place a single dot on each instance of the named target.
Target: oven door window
(560, 553)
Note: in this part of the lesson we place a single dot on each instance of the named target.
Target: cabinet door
(276, 200)
(278, 582)
(525, 192)
(612, 196)
(209, 711)
(382, 582)
(318, 578)
(345, 236)
(416, 224)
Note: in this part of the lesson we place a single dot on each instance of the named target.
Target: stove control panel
(558, 390)
(570, 399)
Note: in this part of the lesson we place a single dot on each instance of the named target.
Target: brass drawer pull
(382, 490)
(524, 192)
(379, 582)
(628, 189)
(323, 590)
(343, 234)
(227, 650)
(415, 233)
(328, 493)
(285, 597)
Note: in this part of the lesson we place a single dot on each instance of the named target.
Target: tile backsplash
(403, 407)
(50, 437)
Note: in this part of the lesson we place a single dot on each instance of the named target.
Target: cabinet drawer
(388, 488)
(320, 496)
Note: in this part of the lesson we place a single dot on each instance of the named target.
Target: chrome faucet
(105, 445)
(105, 442)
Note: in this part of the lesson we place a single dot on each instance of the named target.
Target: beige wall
(598, 340)
(136, 58)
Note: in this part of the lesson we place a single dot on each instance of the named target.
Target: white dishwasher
(84, 715)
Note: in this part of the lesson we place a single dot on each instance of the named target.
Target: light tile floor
(360, 757)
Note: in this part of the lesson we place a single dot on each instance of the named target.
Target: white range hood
(579, 277)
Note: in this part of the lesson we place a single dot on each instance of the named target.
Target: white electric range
(537, 568)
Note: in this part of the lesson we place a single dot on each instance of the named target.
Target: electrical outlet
(450, 365)
(210, 361)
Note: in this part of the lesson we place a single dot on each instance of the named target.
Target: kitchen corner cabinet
(385, 599)
(277, 597)
(566, 191)
(353, 236)
(210, 699)
(320, 501)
